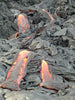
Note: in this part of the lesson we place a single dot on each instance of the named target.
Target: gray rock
(2, 73)
(1, 98)
(71, 33)
(38, 43)
(33, 79)
(15, 12)
(65, 98)
(60, 1)
(53, 50)
(72, 92)
(72, 3)
(48, 33)
(42, 52)
(62, 32)
(72, 43)
(6, 21)
(61, 93)
(70, 23)
(40, 24)
(73, 86)
(62, 61)
(3, 92)
(70, 10)
(23, 95)
(50, 30)
(46, 3)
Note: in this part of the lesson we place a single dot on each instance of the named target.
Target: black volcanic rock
(52, 41)
(6, 21)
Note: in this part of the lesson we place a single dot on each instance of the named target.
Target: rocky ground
(53, 41)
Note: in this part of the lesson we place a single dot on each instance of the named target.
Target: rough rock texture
(53, 41)
(6, 18)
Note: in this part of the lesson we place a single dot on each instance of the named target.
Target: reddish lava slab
(16, 72)
(23, 24)
(48, 81)
(45, 74)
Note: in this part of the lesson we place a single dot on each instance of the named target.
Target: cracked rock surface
(52, 41)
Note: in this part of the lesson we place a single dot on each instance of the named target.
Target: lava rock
(60, 1)
(53, 50)
(72, 44)
(32, 81)
(61, 32)
(71, 33)
(38, 43)
(72, 92)
(2, 73)
(70, 23)
(22, 95)
(6, 21)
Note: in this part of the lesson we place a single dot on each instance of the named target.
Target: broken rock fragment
(62, 32)
(71, 33)
(53, 50)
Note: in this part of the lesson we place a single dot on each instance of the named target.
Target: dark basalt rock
(52, 41)
(6, 19)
